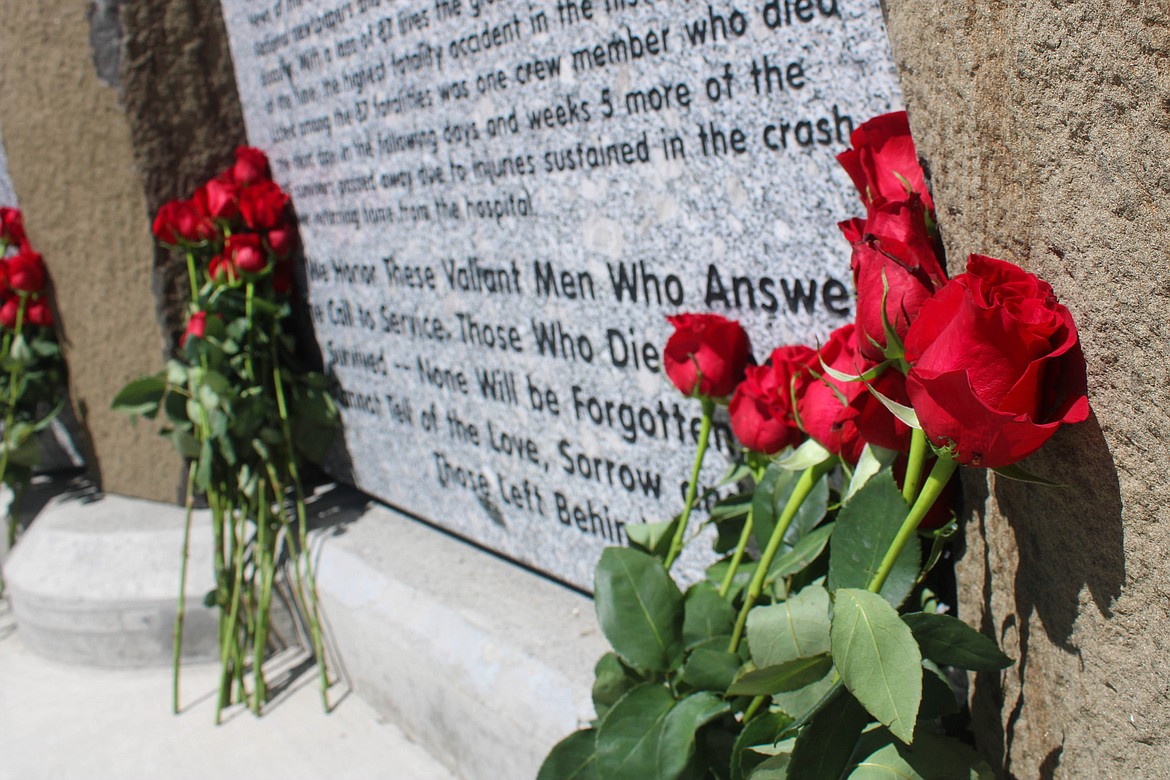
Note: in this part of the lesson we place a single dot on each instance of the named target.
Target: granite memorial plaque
(501, 201)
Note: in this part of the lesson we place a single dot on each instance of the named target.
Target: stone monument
(501, 202)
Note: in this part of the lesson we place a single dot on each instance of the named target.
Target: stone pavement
(66, 722)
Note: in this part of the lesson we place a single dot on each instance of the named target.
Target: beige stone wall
(70, 158)
(1046, 127)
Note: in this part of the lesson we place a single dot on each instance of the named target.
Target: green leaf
(865, 529)
(809, 515)
(764, 729)
(743, 576)
(930, 758)
(765, 502)
(677, 746)
(184, 443)
(805, 456)
(706, 614)
(873, 459)
(797, 703)
(611, 680)
(789, 676)
(878, 659)
(653, 538)
(905, 414)
(629, 737)
(938, 698)
(796, 628)
(639, 607)
(807, 550)
(710, 667)
(825, 744)
(574, 758)
(142, 396)
(775, 768)
(735, 505)
(951, 642)
(20, 354)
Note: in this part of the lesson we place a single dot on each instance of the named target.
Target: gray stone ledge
(485, 664)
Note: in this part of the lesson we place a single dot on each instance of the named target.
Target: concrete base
(484, 664)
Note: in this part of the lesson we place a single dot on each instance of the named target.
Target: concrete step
(482, 663)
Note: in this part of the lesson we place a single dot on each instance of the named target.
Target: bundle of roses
(31, 368)
(240, 405)
(814, 649)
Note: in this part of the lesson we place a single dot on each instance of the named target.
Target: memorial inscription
(500, 202)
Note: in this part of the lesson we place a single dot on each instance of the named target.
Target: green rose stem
(181, 612)
(10, 416)
(741, 545)
(676, 544)
(800, 492)
(193, 277)
(940, 475)
(302, 533)
(265, 571)
(914, 465)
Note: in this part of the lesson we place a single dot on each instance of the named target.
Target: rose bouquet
(815, 647)
(31, 369)
(240, 405)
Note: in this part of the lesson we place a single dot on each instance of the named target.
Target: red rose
(895, 257)
(39, 313)
(875, 423)
(761, 409)
(196, 326)
(244, 251)
(9, 311)
(282, 278)
(221, 198)
(823, 402)
(281, 241)
(12, 227)
(26, 271)
(181, 220)
(706, 355)
(251, 166)
(221, 270)
(883, 161)
(262, 205)
(995, 365)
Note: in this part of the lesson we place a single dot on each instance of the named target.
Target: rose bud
(221, 199)
(9, 311)
(250, 167)
(38, 312)
(282, 278)
(706, 355)
(761, 408)
(26, 271)
(883, 161)
(281, 241)
(895, 258)
(262, 205)
(995, 365)
(12, 227)
(823, 402)
(221, 270)
(246, 253)
(196, 326)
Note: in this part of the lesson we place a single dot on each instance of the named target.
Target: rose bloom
(12, 227)
(26, 271)
(38, 312)
(181, 220)
(823, 402)
(9, 310)
(282, 278)
(761, 408)
(262, 205)
(251, 166)
(875, 423)
(221, 195)
(245, 252)
(706, 355)
(882, 152)
(895, 258)
(281, 240)
(196, 326)
(995, 365)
